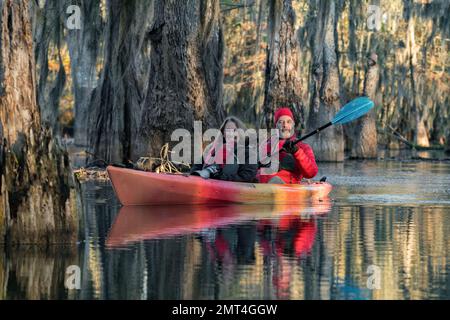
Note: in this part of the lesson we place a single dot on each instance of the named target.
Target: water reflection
(257, 252)
(286, 256)
(135, 223)
(252, 254)
(31, 272)
(200, 252)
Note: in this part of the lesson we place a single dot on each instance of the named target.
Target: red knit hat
(283, 112)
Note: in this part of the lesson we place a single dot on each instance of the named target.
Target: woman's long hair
(210, 149)
(239, 124)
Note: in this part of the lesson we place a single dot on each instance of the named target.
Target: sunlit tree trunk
(36, 200)
(365, 142)
(417, 110)
(282, 83)
(353, 7)
(186, 73)
(329, 144)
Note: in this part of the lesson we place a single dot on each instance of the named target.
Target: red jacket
(305, 164)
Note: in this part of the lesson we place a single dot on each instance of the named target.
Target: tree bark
(365, 142)
(329, 144)
(282, 84)
(36, 199)
(83, 48)
(420, 131)
(115, 104)
(353, 7)
(48, 33)
(186, 72)
(248, 93)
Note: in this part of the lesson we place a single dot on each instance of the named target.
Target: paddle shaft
(313, 132)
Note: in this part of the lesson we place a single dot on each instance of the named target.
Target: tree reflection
(243, 252)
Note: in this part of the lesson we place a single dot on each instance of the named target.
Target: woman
(221, 157)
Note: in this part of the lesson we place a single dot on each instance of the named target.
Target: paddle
(349, 112)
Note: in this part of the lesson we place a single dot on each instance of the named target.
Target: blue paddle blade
(353, 110)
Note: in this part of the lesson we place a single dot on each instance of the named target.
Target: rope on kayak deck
(161, 164)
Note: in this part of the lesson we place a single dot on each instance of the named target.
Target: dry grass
(153, 164)
(161, 164)
(97, 174)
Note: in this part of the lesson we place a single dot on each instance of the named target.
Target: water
(384, 235)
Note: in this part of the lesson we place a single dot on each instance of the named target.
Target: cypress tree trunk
(83, 48)
(365, 142)
(282, 84)
(186, 72)
(417, 111)
(329, 144)
(36, 200)
(115, 104)
(48, 33)
(353, 7)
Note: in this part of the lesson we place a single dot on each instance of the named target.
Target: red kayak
(136, 223)
(134, 187)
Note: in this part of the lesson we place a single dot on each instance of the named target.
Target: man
(296, 161)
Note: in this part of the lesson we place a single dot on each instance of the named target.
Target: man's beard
(286, 134)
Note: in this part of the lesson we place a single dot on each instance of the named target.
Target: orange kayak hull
(134, 187)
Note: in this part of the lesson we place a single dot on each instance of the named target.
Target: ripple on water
(395, 199)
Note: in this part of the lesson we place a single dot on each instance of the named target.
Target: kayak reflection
(229, 237)
(137, 223)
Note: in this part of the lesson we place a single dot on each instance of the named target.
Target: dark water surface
(384, 235)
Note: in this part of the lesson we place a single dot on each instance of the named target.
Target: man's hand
(290, 146)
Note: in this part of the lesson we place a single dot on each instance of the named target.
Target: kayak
(135, 187)
(137, 223)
